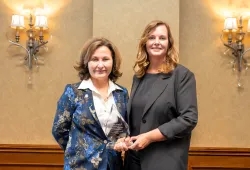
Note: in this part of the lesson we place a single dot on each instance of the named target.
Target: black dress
(132, 158)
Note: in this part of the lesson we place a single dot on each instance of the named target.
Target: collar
(88, 84)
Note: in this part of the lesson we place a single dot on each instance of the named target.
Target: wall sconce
(33, 42)
(235, 44)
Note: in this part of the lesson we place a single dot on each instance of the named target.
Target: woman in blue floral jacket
(82, 120)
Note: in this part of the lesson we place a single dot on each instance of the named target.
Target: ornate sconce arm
(28, 52)
(40, 45)
(17, 44)
(244, 60)
(245, 52)
(227, 45)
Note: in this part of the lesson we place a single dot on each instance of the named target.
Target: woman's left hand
(141, 141)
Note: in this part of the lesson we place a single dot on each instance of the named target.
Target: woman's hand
(144, 139)
(141, 141)
(122, 144)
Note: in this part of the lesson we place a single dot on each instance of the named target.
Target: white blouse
(106, 109)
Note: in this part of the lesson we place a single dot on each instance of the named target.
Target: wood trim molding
(50, 157)
(25, 157)
(205, 158)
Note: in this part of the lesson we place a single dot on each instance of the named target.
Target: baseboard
(50, 157)
(30, 157)
(205, 158)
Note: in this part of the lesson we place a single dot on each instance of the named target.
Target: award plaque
(116, 127)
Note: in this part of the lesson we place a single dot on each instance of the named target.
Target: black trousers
(132, 160)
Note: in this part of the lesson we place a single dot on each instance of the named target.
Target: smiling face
(100, 64)
(157, 43)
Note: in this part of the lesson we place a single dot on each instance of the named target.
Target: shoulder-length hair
(142, 59)
(88, 50)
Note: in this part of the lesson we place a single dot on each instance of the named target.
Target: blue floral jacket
(78, 131)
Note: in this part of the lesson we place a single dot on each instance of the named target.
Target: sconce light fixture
(34, 41)
(235, 36)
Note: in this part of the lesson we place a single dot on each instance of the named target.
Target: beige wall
(28, 111)
(123, 23)
(224, 110)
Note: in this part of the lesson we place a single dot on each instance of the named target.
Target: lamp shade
(41, 22)
(230, 24)
(17, 22)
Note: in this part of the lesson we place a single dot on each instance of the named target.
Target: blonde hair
(142, 61)
(88, 50)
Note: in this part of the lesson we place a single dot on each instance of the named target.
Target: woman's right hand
(122, 144)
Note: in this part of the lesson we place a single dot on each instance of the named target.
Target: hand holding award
(116, 127)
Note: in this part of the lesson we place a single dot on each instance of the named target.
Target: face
(100, 64)
(157, 43)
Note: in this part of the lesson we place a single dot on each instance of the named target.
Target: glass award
(115, 128)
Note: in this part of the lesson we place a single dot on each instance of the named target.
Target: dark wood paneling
(50, 157)
(31, 157)
(219, 158)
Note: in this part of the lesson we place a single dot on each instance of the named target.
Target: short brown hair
(87, 51)
(142, 61)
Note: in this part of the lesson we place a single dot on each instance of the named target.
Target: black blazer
(172, 108)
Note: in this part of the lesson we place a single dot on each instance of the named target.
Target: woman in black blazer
(162, 109)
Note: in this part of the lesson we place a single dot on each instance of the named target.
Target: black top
(139, 101)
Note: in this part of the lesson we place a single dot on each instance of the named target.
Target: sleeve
(186, 106)
(63, 117)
